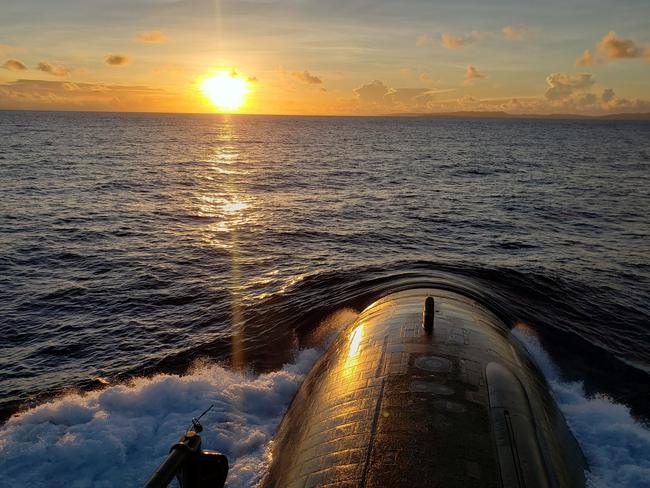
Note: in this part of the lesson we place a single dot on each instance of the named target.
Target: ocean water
(154, 264)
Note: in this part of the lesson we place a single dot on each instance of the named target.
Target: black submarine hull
(392, 404)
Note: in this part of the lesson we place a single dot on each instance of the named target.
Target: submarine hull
(392, 404)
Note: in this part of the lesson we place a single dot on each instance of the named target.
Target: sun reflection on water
(235, 206)
(224, 202)
(231, 212)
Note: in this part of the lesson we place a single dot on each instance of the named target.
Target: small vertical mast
(427, 315)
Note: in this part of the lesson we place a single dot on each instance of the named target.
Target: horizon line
(468, 114)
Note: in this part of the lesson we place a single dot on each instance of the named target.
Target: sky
(338, 57)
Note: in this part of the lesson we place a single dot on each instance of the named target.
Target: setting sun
(226, 91)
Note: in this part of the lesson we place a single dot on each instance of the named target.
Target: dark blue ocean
(152, 264)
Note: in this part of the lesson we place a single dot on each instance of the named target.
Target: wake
(118, 436)
(617, 447)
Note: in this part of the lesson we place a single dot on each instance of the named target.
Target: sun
(226, 91)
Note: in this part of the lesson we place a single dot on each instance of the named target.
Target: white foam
(118, 436)
(617, 447)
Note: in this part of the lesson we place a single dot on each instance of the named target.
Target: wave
(617, 447)
(592, 329)
(118, 436)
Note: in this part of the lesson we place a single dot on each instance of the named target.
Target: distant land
(506, 115)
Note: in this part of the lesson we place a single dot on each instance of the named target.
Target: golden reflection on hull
(352, 358)
(389, 405)
(355, 341)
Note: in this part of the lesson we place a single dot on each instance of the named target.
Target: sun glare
(226, 91)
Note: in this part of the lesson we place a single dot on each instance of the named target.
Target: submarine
(427, 388)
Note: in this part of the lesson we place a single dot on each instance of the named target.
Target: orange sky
(336, 57)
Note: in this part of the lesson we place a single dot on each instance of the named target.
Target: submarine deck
(392, 405)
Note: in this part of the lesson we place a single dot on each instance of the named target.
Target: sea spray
(617, 447)
(118, 436)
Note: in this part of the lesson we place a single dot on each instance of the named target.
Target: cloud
(306, 77)
(613, 47)
(587, 59)
(509, 32)
(454, 42)
(518, 32)
(408, 97)
(631, 106)
(472, 74)
(566, 93)
(591, 103)
(69, 86)
(570, 94)
(423, 40)
(608, 95)
(562, 85)
(377, 97)
(14, 65)
(151, 37)
(116, 59)
(52, 69)
(65, 95)
(580, 103)
(424, 77)
(586, 100)
(469, 103)
(372, 92)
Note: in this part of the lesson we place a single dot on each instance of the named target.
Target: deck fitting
(427, 315)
